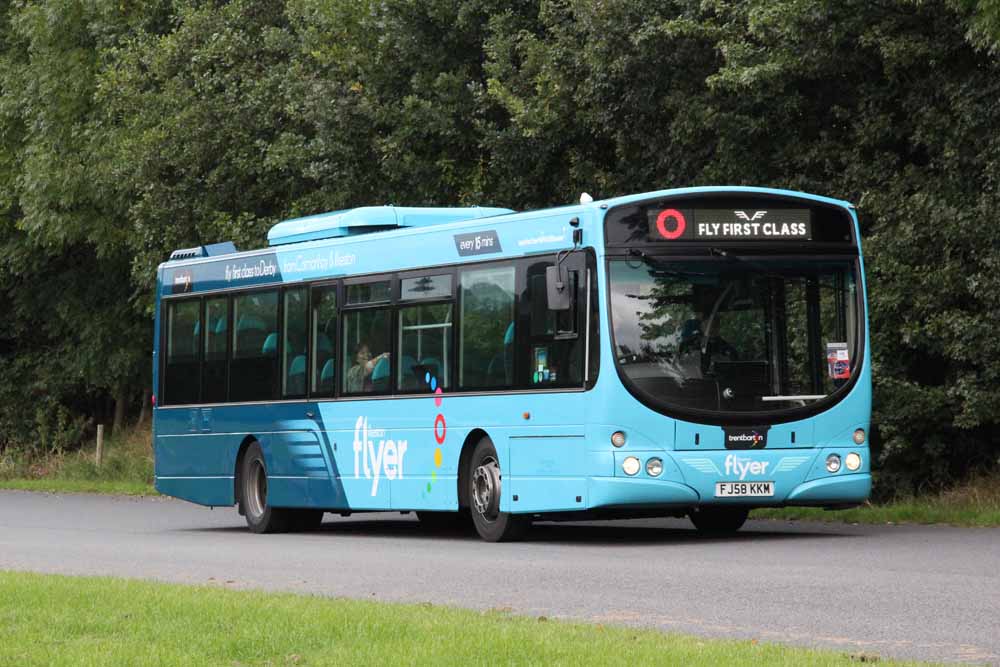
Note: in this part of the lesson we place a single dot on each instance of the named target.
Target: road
(930, 593)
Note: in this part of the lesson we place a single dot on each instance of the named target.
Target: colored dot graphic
(440, 428)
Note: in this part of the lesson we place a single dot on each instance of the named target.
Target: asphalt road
(930, 593)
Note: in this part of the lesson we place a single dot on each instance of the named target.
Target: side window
(425, 339)
(253, 373)
(296, 327)
(181, 376)
(556, 350)
(324, 337)
(216, 351)
(486, 341)
(367, 340)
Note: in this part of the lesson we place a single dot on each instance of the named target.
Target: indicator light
(859, 436)
(618, 439)
(654, 467)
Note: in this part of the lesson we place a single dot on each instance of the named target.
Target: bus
(689, 352)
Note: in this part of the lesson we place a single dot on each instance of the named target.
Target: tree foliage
(128, 131)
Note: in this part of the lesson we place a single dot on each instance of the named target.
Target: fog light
(853, 461)
(631, 465)
(859, 436)
(833, 463)
(618, 439)
(654, 467)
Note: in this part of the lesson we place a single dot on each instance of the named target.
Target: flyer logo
(757, 215)
(668, 218)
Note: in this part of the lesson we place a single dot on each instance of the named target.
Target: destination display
(716, 224)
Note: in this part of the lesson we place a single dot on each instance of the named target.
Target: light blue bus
(698, 351)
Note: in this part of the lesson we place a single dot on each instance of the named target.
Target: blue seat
(270, 347)
(296, 385)
(326, 376)
(380, 375)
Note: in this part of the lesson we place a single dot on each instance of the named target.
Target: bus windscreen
(749, 336)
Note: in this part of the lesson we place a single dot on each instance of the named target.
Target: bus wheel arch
(237, 478)
(471, 440)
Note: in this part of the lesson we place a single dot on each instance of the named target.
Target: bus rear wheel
(260, 516)
(483, 494)
(719, 520)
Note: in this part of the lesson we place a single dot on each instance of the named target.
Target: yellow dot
(434, 475)
(437, 457)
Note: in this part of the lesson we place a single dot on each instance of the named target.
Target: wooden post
(100, 444)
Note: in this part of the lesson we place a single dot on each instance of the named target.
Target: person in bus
(359, 376)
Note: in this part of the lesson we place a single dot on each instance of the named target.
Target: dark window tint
(181, 370)
(375, 292)
(296, 327)
(555, 349)
(216, 341)
(253, 374)
(425, 287)
(324, 323)
(486, 342)
(366, 352)
(424, 347)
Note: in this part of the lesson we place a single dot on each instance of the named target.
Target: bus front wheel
(483, 492)
(718, 520)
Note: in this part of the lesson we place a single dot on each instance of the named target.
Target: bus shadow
(610, 533)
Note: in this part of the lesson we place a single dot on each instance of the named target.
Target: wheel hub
(486, 489)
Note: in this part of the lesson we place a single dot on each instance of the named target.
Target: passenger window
(253, 374)
(182, 368)
(296, 326)
(486, 342)
(366, 352)
(324, 336)
(424, 346)
(216, 353)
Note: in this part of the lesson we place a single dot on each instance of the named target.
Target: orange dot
(437, 457)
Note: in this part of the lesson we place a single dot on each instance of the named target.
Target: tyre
(483, 495)
(718, 520)
(459, 521)
(260, 516)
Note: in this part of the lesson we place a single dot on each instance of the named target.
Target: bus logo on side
(376, 459)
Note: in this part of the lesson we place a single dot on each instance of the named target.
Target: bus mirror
(557, 288)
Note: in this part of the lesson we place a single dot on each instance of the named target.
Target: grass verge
(56, 620)
(975, 503)
(127, 468)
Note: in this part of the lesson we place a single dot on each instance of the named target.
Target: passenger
(359, 375)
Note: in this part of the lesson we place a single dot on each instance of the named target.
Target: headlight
(853, 461)
(859, 436)
(618, 439)
(833, 463)
(654, 467)
(631, 465)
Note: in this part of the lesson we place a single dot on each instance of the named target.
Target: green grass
(55, 620)
(975, 503)
(127, 468)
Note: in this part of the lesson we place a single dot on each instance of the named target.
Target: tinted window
(216, 352)
(366, 352)
(182, 369)
(375, 292)
(324, 323)
(296, 326)
(486, 343)
(253, 373)
(424, 347)
(555, 349)
(425, 287)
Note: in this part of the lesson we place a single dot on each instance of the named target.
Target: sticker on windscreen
(838, 361)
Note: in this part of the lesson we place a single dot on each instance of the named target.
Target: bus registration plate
(744, 489)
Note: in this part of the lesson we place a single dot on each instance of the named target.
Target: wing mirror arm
(556, 278)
